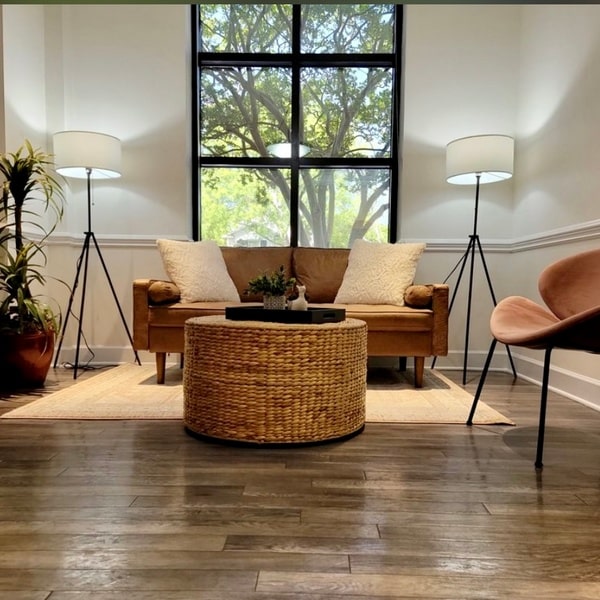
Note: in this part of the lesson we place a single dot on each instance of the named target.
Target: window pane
(245, 207)
(348, 28)
(338, 206)
(245, 28)
(347, 112)
(244, 110)
(341, 123)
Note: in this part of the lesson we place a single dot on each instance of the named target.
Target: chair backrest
(572, 285)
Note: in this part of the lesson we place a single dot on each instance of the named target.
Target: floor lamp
(87, 155)
(477, 160)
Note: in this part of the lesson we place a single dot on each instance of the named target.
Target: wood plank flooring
(142, 511)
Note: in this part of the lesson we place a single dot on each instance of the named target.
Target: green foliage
(20, 310)
(345, 112)
(274, 283)
(246, 27)
(28, 183)
(241, 206)
(242, 203)
(364, 28)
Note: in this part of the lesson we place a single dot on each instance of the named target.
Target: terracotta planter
(25, 359)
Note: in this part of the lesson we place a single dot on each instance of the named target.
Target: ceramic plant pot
(25, 359)
(274, 302)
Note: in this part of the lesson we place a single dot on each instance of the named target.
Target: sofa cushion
(244, 264)
(387, 317)
(320, 271)
(177, 314)
(198, 270)
(379, 273)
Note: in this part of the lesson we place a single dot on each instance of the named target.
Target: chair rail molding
(569, 234)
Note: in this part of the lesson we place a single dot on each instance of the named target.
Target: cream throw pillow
(199, 271)
(379, 273)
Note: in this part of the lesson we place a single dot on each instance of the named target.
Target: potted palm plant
(32, 202)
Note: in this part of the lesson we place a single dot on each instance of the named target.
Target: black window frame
(296, 61)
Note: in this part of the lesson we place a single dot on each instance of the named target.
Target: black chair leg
(486, 366)
(543, 401)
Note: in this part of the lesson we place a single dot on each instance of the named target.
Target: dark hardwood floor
(142, 511)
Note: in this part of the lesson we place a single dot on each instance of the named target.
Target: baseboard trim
(567, 383)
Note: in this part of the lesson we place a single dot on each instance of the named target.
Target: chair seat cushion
(519, 321)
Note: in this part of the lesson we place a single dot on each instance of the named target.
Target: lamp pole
(101, 155)
(477, 159)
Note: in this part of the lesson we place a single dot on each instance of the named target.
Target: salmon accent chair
(570, 288)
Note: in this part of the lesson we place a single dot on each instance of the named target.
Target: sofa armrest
(439, 305)
(141, 313)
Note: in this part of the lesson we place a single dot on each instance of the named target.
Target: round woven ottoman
(274, 383)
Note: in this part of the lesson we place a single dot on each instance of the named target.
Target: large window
(297, 123)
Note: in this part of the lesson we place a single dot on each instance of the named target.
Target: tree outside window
(297, 123)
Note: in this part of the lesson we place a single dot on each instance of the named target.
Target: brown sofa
(419, 329)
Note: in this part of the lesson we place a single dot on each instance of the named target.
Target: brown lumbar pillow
(418, 296)
(163, 292)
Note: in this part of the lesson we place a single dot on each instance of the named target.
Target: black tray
(310, 316)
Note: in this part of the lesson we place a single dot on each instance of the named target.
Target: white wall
(24, 76)
(557, 188)
(526, 71)
(460, 79)
(121, 70)
(558, 119)
(125, 74)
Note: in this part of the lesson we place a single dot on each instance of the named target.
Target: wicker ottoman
(274, 383)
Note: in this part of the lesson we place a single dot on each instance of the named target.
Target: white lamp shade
(489, 156)
(79, 153)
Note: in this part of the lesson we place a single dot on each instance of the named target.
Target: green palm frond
(29, 191)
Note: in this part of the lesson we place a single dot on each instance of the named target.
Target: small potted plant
(273, 286)
(28, 325)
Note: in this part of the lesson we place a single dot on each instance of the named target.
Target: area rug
(130, 392)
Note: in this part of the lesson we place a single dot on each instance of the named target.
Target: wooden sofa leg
(419, 370)
(161, 362)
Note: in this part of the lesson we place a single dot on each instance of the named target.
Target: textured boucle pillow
(379, 273)
(163, 292)
(198, 270)
(418, 296)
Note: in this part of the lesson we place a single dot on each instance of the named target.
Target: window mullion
(396, 128)
(295, 124)
(195, 158)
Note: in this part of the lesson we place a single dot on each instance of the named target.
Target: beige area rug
(130, 392)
